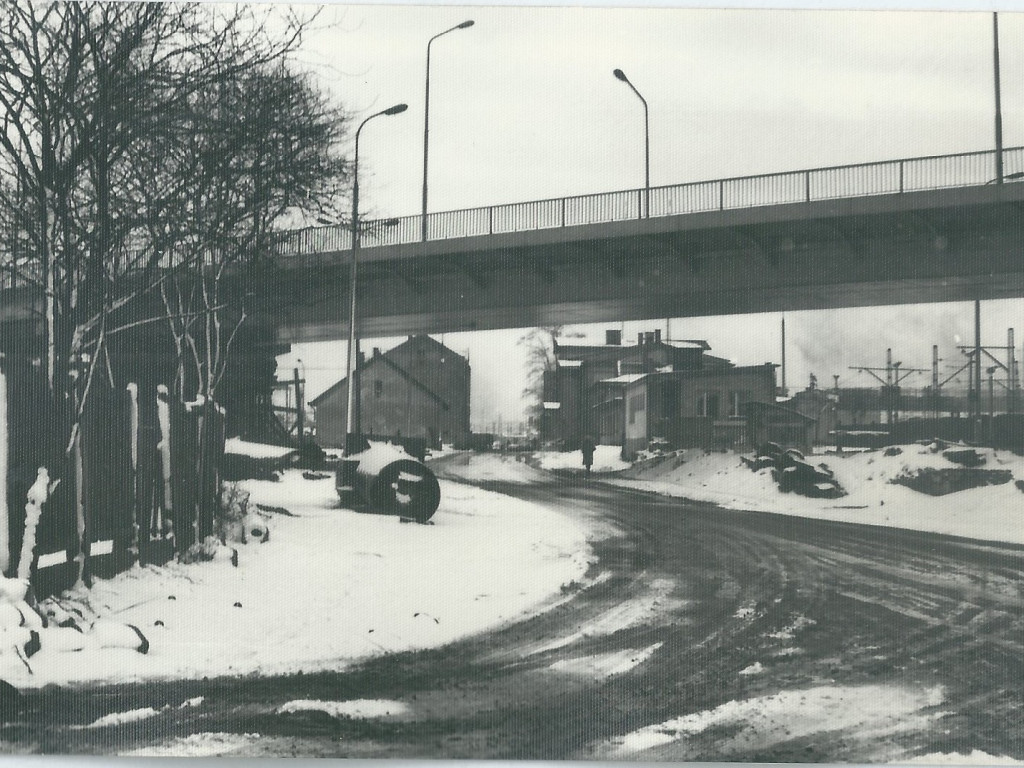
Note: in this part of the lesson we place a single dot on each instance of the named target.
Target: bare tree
(258, 151)
(541, 345)
(146, 149)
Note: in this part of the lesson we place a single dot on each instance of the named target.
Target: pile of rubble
(794, 474)
(939, 481)
(28, 626)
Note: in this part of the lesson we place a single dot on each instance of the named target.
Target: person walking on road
(587, 446)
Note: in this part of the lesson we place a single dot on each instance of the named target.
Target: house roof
(422, 338)
(383, 359)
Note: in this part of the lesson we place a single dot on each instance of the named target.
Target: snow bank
(991, 513)
(975, 757)
(197, 745)
(604, 665)
(328, 587)
(358, 709)
(607, 458)
(866, 711)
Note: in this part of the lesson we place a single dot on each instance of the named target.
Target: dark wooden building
(629, 394)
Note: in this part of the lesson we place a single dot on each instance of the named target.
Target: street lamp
(619, 74)
(426, 118)
(999, 108)
(352, 440)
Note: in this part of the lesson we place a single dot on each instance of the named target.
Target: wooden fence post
(163, 409)
(133, 436)
(37, 495)
(80, 525)
(5, 532)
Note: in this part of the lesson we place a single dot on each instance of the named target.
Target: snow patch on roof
(625, 378)
(686, 344)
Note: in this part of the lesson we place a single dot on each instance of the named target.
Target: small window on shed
(378, 388)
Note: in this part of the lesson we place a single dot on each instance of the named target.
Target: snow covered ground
(992, 513)
(328, 587)
(331, 585)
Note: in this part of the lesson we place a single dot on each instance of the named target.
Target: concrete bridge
(914, 230)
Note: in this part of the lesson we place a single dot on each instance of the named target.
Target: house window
(707, 405)
(636, 403)
(735, 398)
(378, 388)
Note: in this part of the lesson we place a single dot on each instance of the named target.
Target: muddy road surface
(700, 634)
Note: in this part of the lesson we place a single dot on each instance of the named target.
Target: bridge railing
(831, 183)
(835, 182)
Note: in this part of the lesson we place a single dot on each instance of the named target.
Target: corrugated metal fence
(140, 485)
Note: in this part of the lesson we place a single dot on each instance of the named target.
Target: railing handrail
(680, 185)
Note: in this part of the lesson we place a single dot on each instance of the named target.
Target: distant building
(779, 424)
(822, 406)
(631, 394)
(418, 389)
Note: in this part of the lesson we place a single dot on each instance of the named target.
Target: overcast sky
(523, 106)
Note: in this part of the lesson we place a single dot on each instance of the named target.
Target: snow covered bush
(229, 524)
(236, 520)
(210, 548)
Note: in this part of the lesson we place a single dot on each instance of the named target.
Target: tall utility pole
(426, 120)
(890, 384)
(999, 106)
(975, 357)
(976, 373)
(783, 388)
(646, 205)
(1011, 373)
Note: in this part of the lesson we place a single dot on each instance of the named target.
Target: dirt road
(701, 634)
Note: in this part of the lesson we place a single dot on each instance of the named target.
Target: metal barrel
(392, 482)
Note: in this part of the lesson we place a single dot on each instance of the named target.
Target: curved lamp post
(620, 75)
(352, 439)
(426, 118)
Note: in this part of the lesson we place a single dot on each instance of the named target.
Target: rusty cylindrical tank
(390, 481)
